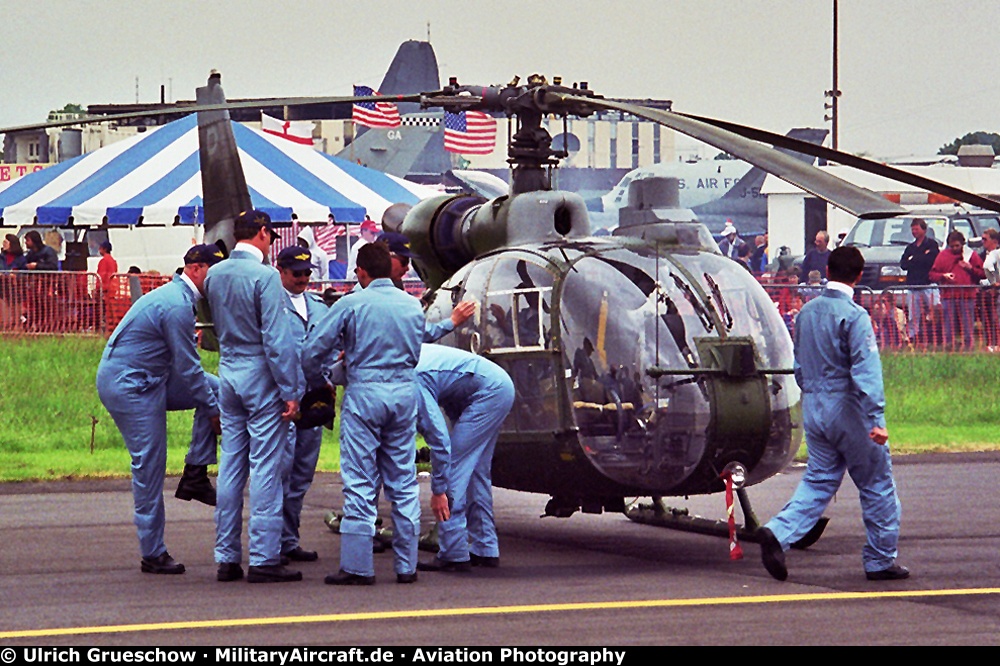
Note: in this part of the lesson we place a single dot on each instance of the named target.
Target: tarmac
(69, 576)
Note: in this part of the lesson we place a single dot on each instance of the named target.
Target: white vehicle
(882, 241)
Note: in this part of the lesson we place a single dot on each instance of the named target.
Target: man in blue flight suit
(379, 329)
(150, 366)
(295, 266)
(260, 382)
(837, 366)
(476, 394)
(400, 254)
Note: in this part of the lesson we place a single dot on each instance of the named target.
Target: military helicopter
(645, 363)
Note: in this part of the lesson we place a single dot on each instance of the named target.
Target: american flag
(325, 235)
(374, 114)
(470, 132)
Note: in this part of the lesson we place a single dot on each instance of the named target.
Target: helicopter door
(516, 332)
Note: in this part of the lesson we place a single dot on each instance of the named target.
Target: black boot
(194, 485)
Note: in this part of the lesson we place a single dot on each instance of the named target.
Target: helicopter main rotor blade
(227, 106)
(877, 168)
(857, 201)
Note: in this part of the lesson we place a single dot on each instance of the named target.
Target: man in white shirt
(369, 232)
(991, 266)
(304, 438)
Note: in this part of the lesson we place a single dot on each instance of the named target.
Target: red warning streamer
(735, 550)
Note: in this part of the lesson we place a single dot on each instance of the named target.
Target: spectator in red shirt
(958, 266)
(107, 266)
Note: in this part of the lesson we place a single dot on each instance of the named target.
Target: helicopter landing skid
(661, 515)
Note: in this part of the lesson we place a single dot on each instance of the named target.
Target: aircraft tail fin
(748, 187)
(223, 185)
(413, 70)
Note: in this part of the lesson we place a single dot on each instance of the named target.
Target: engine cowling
(447, 232)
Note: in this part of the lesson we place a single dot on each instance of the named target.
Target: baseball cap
(369, 225)
(204, 254)
(316, 408)
(398, 243)
(295, 258)
(106, 246)
(253, 220)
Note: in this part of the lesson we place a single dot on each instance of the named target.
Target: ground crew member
(260, 382)
(295, 266)
(837, 366)
(477, 395)
(150, 366)
(399, 251)
(379, 328)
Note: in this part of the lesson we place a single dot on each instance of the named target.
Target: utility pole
(834, 93)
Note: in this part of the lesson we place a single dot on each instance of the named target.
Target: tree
(69, 108)
(972, 139)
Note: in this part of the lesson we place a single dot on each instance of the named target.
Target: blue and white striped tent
(155, 177)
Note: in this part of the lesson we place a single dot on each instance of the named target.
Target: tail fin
(748, 187)
(223, 185)
(413, 70)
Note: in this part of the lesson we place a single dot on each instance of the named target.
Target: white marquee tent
(155, 178)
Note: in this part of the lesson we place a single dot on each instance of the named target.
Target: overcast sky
(915, 74)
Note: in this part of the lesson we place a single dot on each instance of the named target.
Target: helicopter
(645, 363)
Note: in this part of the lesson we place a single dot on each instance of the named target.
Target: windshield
(894, 231)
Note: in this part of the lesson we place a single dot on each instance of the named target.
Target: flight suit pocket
(139, 381)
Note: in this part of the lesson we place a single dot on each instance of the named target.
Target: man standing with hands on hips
(837, 365)
(260, 382)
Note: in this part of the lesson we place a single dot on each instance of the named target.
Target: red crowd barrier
(37, 302)
(68, 302)
(122, 289)
(933, 318)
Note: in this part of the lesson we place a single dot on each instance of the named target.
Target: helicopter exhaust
(447, 232)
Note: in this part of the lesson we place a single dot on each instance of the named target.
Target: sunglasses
(303, 273)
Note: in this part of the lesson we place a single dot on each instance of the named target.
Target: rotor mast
(530, 152)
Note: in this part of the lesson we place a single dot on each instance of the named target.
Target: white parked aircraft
(717, 191)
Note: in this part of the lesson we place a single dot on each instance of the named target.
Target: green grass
(935, 402)
(49, 402)
(939, 402)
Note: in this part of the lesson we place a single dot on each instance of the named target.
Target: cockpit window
(518, 302)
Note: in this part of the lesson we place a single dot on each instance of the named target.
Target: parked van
(882, 241)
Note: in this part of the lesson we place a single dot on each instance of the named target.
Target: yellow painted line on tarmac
(499, 610)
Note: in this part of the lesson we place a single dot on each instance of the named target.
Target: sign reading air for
(15, 171)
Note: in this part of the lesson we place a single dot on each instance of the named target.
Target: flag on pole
(298, 131)
(374, 114)
(470, 132)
